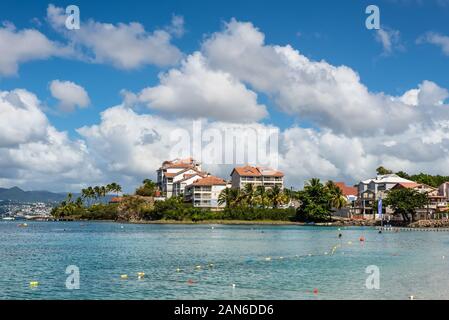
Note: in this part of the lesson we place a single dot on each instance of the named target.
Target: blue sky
(333, 31)
(330, 30)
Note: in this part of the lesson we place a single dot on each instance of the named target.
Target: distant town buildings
(25, 210)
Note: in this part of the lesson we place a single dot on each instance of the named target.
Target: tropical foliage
(250, 197)
(147, 189)
(88, 205)
(405, 202)
(318, 200)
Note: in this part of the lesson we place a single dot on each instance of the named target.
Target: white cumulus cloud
(196, 91)
(69, 94)
(125, 46)
(18, 46)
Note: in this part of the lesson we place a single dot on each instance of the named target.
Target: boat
(8, 218)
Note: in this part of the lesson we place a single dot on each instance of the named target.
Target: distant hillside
(17, 194)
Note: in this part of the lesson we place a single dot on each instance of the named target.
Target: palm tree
(249, 194)
(225, 197)
(229, 196)
(97, 192)
(103, 191)
(261, 196)
(337, 198)
(79, 202)
(115, 187)
(276, 196)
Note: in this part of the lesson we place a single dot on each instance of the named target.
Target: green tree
(114, 187)
(405, 202)
(261, 197)
(381, 171)
(337, 198)
(249, 195)
(276, 196)
(147, 189)
(315, 202)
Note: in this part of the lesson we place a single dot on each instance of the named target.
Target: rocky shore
(430, 224)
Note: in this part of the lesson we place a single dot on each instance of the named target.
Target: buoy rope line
(394, 229)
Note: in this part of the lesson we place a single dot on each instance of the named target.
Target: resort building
(258, 176)
(182, 180)
(173, 171)
(204, 192)
(371, 190)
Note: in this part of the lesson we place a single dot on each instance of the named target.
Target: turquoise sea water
(410, 263)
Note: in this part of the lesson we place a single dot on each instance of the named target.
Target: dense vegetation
(250, 197)
(87, 206)
(317, 201)
(175, 209)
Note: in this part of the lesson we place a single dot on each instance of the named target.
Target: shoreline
(423, 224)
(227, 222)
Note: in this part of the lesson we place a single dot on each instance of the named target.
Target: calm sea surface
(410, 263)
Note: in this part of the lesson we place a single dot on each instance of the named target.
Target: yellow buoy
(267, 259)
(34, 284)
(124, 276)
(140, 275)
(198, 267)
(178, 269)
(211, 265)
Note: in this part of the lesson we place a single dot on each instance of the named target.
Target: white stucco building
(204, 192)
(174, 171)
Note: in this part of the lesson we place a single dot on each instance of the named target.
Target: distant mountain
(17, 194)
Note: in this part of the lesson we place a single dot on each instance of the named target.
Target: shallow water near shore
(264, 262)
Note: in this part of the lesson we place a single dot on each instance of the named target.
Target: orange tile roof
(209, 181)
(347, 191)
(249, 171)
(179, 163)
(408, 185)
(116, 199)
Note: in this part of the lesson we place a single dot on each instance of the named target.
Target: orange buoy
(315, 291)
(190, 281)
(362, 239)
